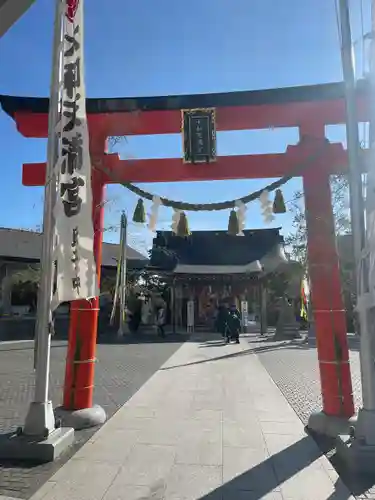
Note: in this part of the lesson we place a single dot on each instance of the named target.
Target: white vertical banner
(76, 267)
(190, 315)
(244, 314)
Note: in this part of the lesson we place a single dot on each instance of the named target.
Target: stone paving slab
(210, 424)
(122, 368)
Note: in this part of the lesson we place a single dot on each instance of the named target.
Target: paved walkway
(121, 370)
(210, 424)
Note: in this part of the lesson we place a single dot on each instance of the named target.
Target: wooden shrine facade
(212, 267)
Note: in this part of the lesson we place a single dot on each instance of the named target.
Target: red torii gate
(309, 108)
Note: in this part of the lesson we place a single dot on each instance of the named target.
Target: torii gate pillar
(83, 324)
(327, 300)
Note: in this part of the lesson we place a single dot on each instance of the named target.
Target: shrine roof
(26, 246)
(287, 95)
(207, 250)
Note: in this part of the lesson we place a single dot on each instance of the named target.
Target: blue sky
(172, 47)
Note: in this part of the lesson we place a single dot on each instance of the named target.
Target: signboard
(199, 135)
(190, 315)
(244, 314)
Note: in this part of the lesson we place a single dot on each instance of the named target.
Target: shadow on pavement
(270, 474)
(269, 345)
(245, 352)
(359, 485)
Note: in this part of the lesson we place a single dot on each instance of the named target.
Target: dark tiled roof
(18, 244)
(307, 93)
(212, 248)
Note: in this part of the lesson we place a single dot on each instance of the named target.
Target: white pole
(352, 135)
(122, 323)
(40, 420)
(118, 277)
(365, 429)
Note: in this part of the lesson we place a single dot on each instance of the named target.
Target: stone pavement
(210, 424)
(294, 369)
(121, 370)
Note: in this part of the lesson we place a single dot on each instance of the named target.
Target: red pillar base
(79, 375)
(81, 355)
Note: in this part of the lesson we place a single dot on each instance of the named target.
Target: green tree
(296, 240)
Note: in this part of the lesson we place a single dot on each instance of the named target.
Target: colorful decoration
(304, 300)
(183, 226)
(139, 215)
(279, 203)
(153, 217)
(233, 226)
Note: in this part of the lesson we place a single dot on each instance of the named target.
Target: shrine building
(210, 267)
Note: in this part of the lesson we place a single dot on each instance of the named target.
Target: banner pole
(40, 419)
(124, 227)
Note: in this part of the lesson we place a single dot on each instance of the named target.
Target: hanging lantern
(279, 203)
(183, 226)
(233, 225)
(139, 215)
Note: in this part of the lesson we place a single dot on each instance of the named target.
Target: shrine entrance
(314, 159)
(213, 269)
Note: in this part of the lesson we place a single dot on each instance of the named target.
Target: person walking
(233, 325)
(221, 319)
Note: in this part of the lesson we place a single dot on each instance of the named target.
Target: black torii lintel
(287, 95)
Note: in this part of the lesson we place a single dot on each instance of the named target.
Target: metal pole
(118, 277)
(40, 419)
(122, 323)
(365, 429)
(173, 306)
(352, 135)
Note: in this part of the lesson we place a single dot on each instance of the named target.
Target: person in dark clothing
(160, 320)
(221, 319)
(233, 324)
(135, 316)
